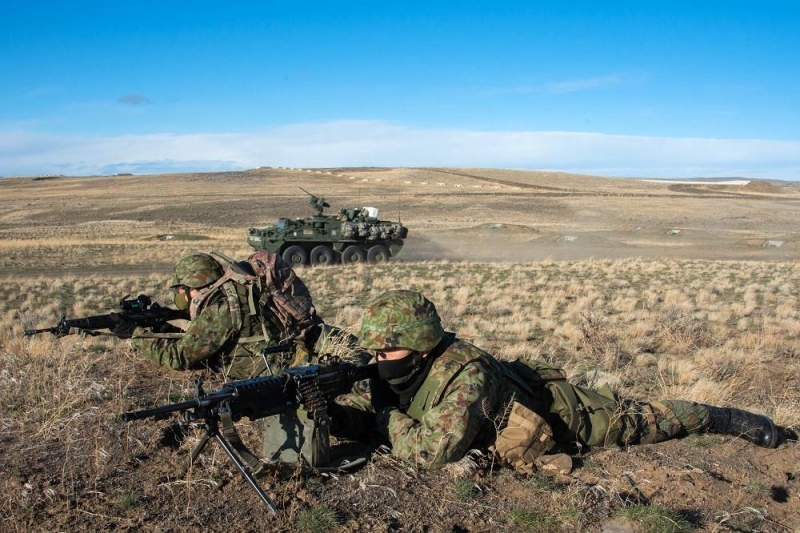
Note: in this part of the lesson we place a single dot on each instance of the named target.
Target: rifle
(313, 387)
(140, 310)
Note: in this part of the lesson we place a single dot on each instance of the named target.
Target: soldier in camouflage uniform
(439, 396)
(222, 334)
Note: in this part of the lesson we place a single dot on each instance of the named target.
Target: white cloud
(376, 143)
(561, 87)
(580, 85)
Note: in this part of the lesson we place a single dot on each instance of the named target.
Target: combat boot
(757, 429)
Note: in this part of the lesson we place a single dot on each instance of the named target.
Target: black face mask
(400, 371)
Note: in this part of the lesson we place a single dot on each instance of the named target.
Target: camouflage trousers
(598, 418)
(648, 423)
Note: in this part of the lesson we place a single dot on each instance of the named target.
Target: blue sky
(659, 89)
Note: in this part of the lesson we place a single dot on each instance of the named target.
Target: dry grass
(723, 332)
(644, 323)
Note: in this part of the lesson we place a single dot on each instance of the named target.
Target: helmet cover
(196, 271)
(401, 319)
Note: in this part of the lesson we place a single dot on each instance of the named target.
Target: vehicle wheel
(353, 254)
(321, 255)
(378, 254)
(295, 256)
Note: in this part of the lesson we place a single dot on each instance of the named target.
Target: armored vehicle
(354, 236)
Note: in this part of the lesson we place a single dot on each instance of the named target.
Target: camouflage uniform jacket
(212, 340)
(456, 409)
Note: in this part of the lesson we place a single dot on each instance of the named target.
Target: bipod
(212, 431)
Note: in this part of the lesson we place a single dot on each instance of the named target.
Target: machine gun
(319, 204)
(313, 387)
(140, 310)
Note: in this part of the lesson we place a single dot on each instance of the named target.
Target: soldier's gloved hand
(381, 395)
(123, 327)
(302, 356)
(166, 327)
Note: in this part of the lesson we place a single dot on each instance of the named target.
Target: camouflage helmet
(196, 270)
(401, 319)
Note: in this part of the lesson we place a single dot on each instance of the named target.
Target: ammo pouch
(526, 436)
(293, 435)
(589, 415)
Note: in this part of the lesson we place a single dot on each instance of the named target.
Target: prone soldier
(438, 396)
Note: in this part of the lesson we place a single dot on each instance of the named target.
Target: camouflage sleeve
(204, 338)
(447, 431)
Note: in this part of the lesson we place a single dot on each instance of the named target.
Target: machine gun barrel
(159, 413)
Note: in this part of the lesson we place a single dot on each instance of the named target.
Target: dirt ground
(86, 470)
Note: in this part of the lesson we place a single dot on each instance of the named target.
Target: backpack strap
(241, 274)
(284, 295)
(274, 294)
(206, 294)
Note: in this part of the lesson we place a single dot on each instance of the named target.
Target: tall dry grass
(724, 332)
